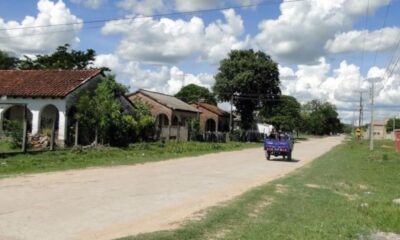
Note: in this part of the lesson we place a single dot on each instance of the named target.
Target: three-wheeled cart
(282, 146)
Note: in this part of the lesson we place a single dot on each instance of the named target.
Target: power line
(262, 3)
(365, 39)
(389, 65)
(383, 26)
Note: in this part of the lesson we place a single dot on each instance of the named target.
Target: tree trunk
(96, 135)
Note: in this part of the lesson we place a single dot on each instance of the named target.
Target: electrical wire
(262, 3)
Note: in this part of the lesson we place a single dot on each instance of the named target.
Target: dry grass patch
(280, 188)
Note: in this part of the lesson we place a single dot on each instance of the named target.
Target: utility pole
(394, 126)
(361, 109)
(231, 117)
(371, 128)
(353, 122)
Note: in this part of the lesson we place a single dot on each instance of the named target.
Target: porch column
(216, 126)
(1, 122)
(62, 120)
(35, 121)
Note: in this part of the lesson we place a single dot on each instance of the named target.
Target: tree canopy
(251, 79)
(7, 61)
(62, 58)
(320, 118)
(285, 114)
(193, 93)
(389, 124)
(102, 109)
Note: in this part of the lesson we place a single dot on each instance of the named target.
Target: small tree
(193, 93)
(103, 110)
(194, 129)
(146, 122)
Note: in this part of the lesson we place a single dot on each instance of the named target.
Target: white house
(49, 95)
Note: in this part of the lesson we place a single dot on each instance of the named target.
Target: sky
(328, 50)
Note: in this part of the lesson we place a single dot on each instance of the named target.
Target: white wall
(36, 105)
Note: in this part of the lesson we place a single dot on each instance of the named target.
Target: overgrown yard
(5, 146)
(347, 193)
(107, 156)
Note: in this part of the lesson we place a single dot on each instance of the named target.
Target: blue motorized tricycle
(280, 145)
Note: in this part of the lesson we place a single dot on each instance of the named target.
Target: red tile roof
(43, 83)
(214, 109)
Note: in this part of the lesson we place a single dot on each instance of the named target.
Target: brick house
(171, 113)
(212, 118)
(47, 95)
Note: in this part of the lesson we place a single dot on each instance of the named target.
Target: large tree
(193, 93)
(62, 58)
(320, 118)
(7, 61)
(285, 114)
(250, 79)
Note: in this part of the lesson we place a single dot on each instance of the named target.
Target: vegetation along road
(106, 203)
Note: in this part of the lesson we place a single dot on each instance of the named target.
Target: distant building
(171, 113)
(379, 131)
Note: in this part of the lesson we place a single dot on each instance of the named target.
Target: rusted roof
(167, 100)
(214, 109)
(43, 83)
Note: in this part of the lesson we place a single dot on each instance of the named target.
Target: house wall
(178, 131)
(379, 133)
(156, 108)
(205, 115)
(36, 106)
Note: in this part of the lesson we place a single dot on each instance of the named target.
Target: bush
(46, 132)
(13, 130)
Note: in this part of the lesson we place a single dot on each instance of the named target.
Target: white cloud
(145, 7)
(24, 38)
(300, 33)
(379, 40)
(163, 79)
(341, 87)
(172, 41)
(185, 5)
(89, 3)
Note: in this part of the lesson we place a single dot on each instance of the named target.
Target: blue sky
(317, 44)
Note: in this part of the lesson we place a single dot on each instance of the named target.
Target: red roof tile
(214, 109)
(43, 83)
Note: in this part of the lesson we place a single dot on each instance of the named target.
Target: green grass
(5, 146)
(345, 194)
(107, 156)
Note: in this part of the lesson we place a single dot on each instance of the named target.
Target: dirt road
(105, 203)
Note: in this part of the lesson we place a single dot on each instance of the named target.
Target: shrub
(13, 130)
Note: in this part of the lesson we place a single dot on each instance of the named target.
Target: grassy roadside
(5, 146)
(106, 156)
(345, 194)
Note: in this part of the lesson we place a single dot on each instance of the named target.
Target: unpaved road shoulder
(106, 203)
